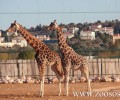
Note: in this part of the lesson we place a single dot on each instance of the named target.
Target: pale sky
(34, 12)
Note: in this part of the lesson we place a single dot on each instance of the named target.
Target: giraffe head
(53, 25)
(14, 27)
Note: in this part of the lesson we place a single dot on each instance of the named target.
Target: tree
(117, 28)
(38, 27)
(63, 25)
(99, 22)
(117, 44)
(32, 29)
(26, 55)
(53, 35)
(4, 56)
(71, 25)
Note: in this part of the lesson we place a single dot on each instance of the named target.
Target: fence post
(98, 67)
(0, 69)
(101, 65)
(89, 61)
(18, 68)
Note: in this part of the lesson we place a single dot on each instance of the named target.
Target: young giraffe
(70, 58)
(44, 56)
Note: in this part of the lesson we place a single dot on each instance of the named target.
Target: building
(73, 30)
(19, 41)
(68, 35)
(107, 30)
(87, 35)
(116, 37)
(2, 39)
(15, 41)
(64, 30)
(14, 34)
(43, 37)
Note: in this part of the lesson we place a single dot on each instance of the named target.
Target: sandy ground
(31, 91)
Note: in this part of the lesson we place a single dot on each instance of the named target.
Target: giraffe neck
(61, 39)
(34, 42)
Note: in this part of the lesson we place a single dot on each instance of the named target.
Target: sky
(34, 12)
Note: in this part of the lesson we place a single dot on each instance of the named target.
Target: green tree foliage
(53, 36)
(110, 54)
(117, 44)
(4, 56)
(26, 55)
(16, 52)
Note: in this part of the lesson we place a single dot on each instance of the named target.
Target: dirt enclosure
(109, 91)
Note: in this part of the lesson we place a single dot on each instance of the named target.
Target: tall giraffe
(70, 58)
(44, 55)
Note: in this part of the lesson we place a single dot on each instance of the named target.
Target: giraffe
(44, 56)
(70, 58)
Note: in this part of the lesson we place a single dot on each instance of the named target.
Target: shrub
(26, 55)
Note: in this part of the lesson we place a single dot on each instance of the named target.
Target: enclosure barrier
(97, 67)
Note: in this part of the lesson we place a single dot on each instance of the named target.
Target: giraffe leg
(42, 78)
(67, 81)
(42, 87)
(85, 72)
(54, 68)
(59, 87)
